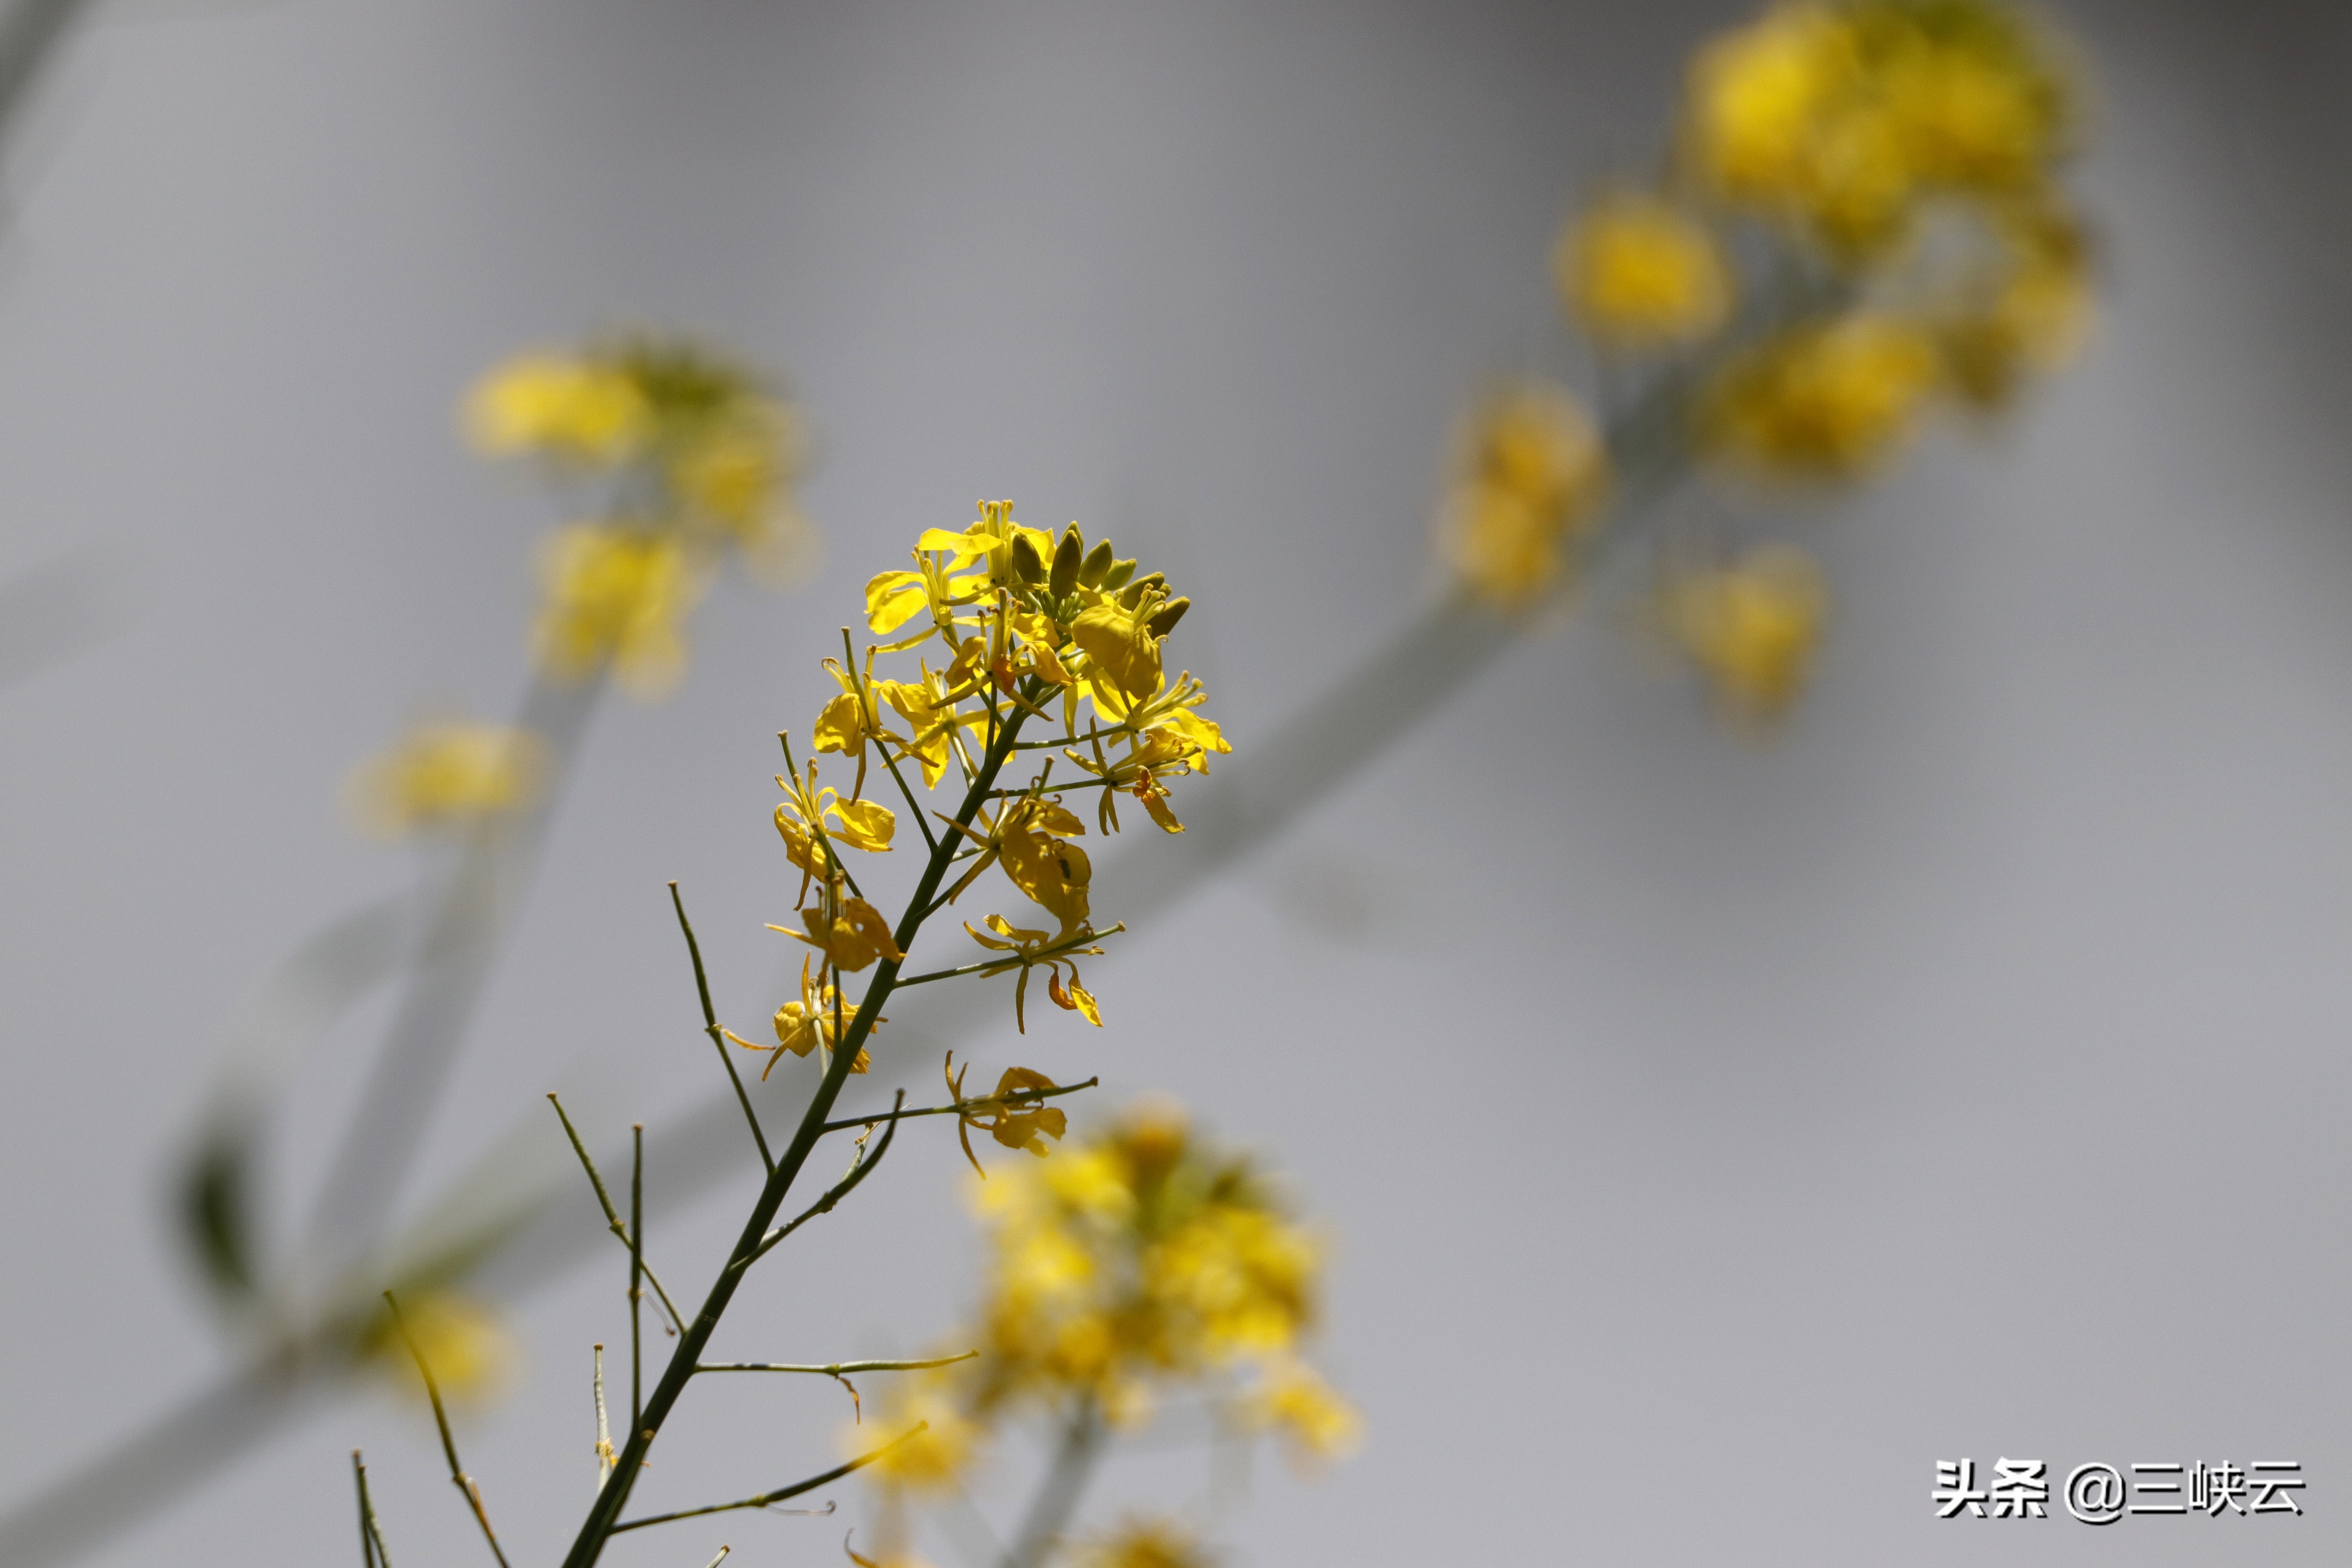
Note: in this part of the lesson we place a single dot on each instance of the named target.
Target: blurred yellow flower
(562, 407)
(1317, 1424)
(1140, 1542)
(1137, 1258)
(448, 774)
(934, 1459)
(1826, 400)
(616, 593)
(1758, 96)
(2028, 312)
(1842, 118)
(1530, 472)
(1752, 627)
(473, 1353)
(1638, 272)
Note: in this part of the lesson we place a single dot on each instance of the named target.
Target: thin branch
(637, 1270)
(371, 1551)
(834, 1368)
(840, 1189)
(1015, 958)
(913, 806)
(457, 1476)
(1011, 1097)
(710, 1027)
(604, 1427)
(764, 1498)
(715, 1561)
(612, 1216)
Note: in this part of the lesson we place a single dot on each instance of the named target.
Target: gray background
(1714, 1136)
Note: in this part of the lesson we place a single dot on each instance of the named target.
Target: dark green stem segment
(589, 1545)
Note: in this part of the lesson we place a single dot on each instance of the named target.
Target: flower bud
(1116, 578)
(1026, 566)
(1140, 586)
(1163, 620)
(1097, 565)
(1066, 563)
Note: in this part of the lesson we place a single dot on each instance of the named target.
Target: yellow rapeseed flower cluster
(1140, 1263)
(1862, 220)
(696, 457)
(1023, 627)
(447, 776)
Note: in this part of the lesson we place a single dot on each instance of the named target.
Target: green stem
(1012, 1098)
(767, 1498)
(605, 1515)
(718, 1036)
(836, 1369)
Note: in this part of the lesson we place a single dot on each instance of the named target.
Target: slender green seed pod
(1163, 619)
(1065, 563)
(1140, 586)
(1097, 565)
(1116, 578)
(1026, 564)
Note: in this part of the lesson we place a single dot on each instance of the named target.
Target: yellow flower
(808, 1022)
(733, 466)
(449, 774)
(1531, 472)
(1845, 119)
(1120, 643)
(1757, 97)
(1293, 1399)
(1053, 872)
(557, 405)
(2028, 312)
(850, 937)
(934, 1459)
(1148, 1543)
(809, 812)
(617, 594)
(1027, 1129)
(1752, 627)
(473, 1353)
(1029, 949)
(1826, 400)
(1638, 272)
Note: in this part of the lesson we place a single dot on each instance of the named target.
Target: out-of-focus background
(1714, 1135)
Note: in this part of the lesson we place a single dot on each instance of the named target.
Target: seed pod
(1092, 570)
(1140, 586)
(1066, 563)
(1163, 619)
(1026, 564)
(1116, 578)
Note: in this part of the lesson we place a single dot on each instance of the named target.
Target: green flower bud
(1116, 578)
(1163, 619)
(1097, 565)
(1066, 563)
(1140, 586)
(1026, 564)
